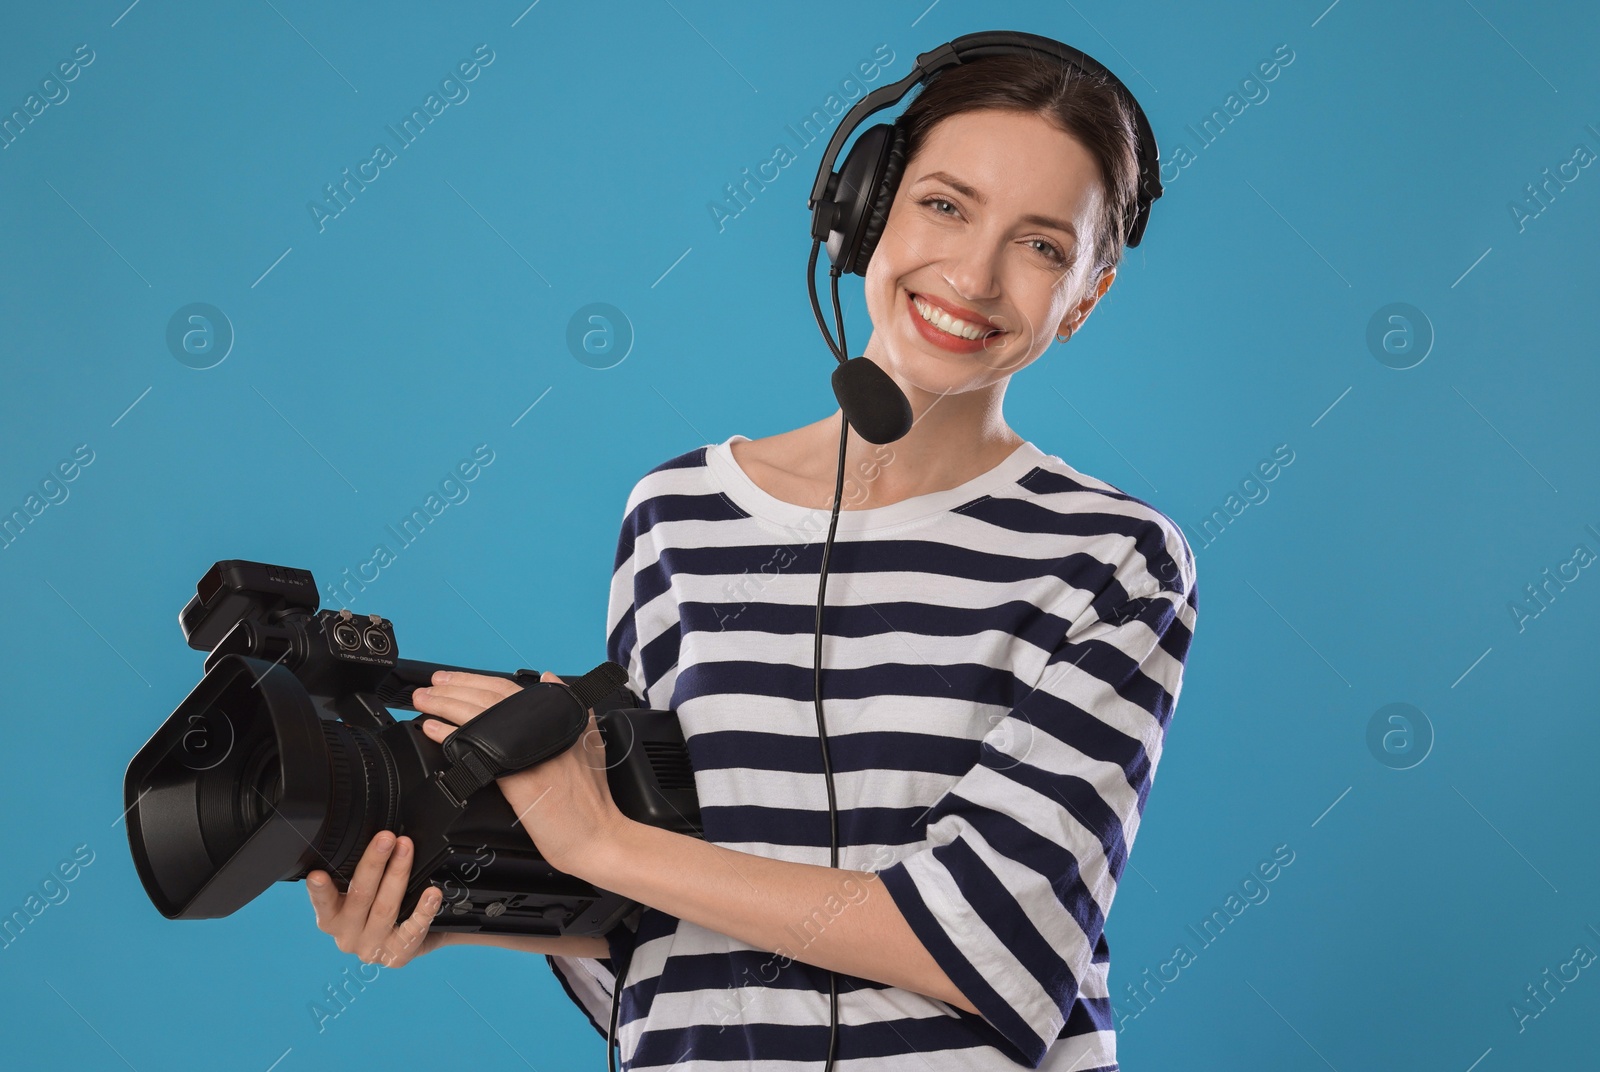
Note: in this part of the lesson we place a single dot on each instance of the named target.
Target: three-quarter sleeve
(589, 981)
(1024, 851)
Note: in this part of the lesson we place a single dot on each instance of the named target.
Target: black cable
(838, 318)
(816, 306)
(616, 1004)
(839, 351)
(816, 681)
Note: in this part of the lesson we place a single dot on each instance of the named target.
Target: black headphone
(850, 207)
(849, 210)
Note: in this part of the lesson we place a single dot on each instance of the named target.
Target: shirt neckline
(733, 482)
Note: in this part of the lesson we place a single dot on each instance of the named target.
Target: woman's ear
(1079, 313)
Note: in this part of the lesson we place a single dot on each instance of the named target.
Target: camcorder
(285, 759)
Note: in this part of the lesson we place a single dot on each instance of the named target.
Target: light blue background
(377, 353)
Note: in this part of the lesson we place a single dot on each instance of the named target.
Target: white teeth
(947, 323)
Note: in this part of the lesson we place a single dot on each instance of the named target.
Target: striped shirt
(1000, 664)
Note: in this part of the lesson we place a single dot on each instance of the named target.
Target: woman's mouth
(940, 327)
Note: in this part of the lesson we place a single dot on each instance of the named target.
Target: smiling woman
(1002, 665)
(1007, 655)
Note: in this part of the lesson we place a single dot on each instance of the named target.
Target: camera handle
(541, 720)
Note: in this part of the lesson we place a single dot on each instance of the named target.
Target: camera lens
(365, 799)
(260, 787)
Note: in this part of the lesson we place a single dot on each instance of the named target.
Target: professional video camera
(285, 759)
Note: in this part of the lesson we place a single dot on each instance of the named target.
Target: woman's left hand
(563, 803)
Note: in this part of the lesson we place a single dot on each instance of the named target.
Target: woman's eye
(1049, 249)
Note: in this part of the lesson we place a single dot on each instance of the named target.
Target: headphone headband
(976, 46)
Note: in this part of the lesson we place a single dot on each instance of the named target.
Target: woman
(1002, 658)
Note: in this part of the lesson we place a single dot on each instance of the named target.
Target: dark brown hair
(1087, 107)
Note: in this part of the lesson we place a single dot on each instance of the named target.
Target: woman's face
(992, 224)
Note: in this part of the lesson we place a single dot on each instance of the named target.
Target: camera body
(285, 759)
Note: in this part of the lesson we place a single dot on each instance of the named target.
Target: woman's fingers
(364, 883)
(437, 727)
(456, 702)
(445, 705)
(594, 744)
(500, 686)
(324, 899)
(414, 928)
(472, 693)
(386, 905)
(362, 921)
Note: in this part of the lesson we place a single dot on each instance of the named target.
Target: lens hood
(238, 781)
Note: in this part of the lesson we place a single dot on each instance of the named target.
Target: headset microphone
(873, 403)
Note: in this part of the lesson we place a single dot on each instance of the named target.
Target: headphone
(850, 208)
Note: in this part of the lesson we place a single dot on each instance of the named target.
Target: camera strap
(539, 721)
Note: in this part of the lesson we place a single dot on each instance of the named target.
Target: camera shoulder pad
(539, 721)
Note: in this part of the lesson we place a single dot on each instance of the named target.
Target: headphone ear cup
(853, 197)
(893, 165)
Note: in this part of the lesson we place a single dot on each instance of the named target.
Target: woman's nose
(973, 272)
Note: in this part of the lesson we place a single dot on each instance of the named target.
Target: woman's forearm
(558, 946)
(829, 917)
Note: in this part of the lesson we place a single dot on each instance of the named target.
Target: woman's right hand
(362, 920)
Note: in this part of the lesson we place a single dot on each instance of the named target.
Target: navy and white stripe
(1000, 664)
